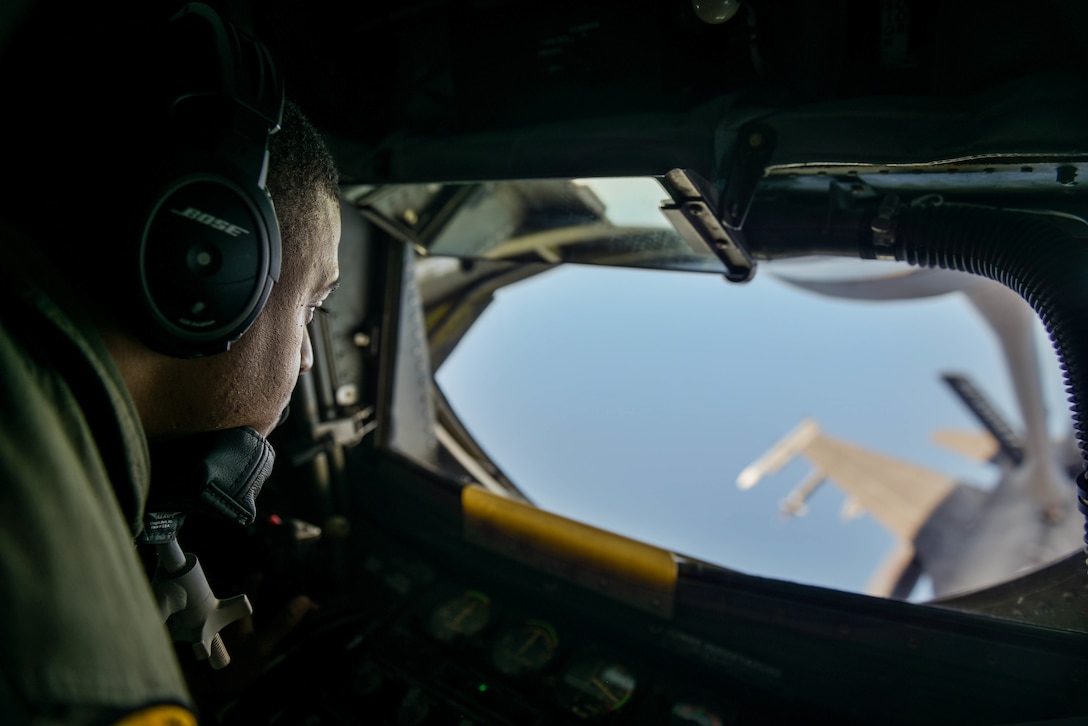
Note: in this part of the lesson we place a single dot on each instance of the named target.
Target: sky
(632, 399)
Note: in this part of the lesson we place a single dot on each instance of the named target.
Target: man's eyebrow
(331, 287)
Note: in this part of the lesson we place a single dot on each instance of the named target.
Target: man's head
(74, 195)
(251, 384)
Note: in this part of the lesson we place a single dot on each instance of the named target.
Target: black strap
(218, 473)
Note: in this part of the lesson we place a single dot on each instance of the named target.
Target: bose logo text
(211, 220)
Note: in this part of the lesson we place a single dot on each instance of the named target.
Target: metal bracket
(346, 432)
(696, 219)
(884, 228)
(747, 165)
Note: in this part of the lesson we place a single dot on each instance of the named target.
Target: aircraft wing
(901, 496)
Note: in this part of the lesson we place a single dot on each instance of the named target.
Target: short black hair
(301, 174)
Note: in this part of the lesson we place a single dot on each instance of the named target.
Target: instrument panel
(419, 624)
(418, 644)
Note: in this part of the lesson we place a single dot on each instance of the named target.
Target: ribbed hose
(1029, 253)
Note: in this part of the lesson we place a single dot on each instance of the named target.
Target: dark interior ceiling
(475, 81)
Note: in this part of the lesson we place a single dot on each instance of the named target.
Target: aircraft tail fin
(1008, 442)
(975, 445)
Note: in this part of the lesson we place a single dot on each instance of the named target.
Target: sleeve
(79, 624)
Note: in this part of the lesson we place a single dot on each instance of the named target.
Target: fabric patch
(159, 715)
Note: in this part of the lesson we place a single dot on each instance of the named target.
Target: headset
(209, 240)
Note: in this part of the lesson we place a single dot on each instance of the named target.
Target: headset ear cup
(209, 242)
(209, 256)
